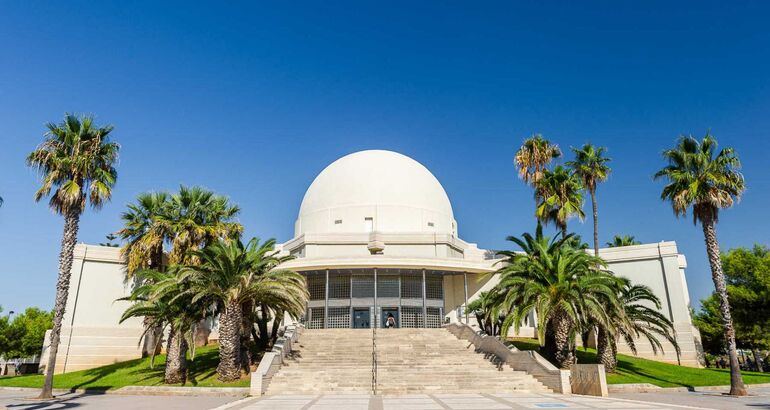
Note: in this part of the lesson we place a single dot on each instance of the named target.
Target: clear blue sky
(253, 101)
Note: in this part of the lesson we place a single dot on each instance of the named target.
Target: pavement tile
(457, 395)
(292, 397)
(415, 406)
(507, 401)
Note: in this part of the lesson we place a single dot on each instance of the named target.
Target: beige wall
(91, 335)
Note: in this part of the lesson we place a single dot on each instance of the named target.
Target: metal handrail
(374, 358)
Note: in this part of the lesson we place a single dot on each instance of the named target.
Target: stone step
(408, 360)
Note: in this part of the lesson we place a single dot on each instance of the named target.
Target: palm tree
(487, 312)
(590, 165)
(698, 178)
(635, 319)
(559, 197)
(188, 220)
(144, 232)
(76, 162)
(622, 240)
(110, 237)
(197, 217)
(563, 285)
(533, 156)
(231, 274)
(145, 236)
(158, 299)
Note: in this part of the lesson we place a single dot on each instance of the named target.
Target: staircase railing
(374, 359)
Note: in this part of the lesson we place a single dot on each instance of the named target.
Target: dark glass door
(361, 318)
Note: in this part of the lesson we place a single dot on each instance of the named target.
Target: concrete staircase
(409, 361)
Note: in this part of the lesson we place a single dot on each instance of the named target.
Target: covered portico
(366, 297)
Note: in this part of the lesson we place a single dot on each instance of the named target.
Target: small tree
(163, 300)
(635, 319)
(563, 285)
(624, 240)
(231, 274)
(748, 286)
(487, 312)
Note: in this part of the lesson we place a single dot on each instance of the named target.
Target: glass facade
(361, 298)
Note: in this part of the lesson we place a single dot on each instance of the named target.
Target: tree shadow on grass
(202, 369)
(636, 370)
(99, 373)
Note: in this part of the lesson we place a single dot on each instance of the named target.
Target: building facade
(376, 238)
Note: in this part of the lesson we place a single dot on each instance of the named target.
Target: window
(434, 287)
(339, 286)
(368, 224)
(433, 317)
(339, 318)
(387, 286)
(430, 224)
(315, 318)
(411, 317)
(338, 221)
(316, 286)
(411, 287)
(363, 287)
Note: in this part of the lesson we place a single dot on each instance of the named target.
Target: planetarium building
(376, 238)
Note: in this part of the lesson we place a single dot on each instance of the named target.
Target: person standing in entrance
(390, 322)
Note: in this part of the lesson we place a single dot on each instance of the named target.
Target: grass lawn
(635, 370)
(137, 372)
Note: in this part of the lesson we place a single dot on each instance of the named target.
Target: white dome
(375, 190)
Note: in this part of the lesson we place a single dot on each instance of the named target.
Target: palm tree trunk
(229, 368)
(596, 222)
(246, 326)
(564, 356)
(69, 238)
(549, 347)
(757, 360)
(262, 319)
(151, 346)
(277, 320)
(605, 349)
(737, 388)
(176, 358)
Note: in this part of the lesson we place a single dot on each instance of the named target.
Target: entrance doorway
(389, 311)
(361, 318)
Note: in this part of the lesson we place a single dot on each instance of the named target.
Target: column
(424, 308)
(465, 290)
(376, 314)
(326, 301)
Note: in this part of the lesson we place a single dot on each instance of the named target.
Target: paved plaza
(20, 400)
(758, 398)
(442, 402)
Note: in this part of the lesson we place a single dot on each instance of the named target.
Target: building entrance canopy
(363, 298)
